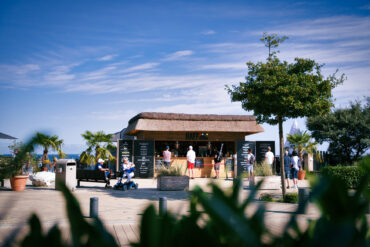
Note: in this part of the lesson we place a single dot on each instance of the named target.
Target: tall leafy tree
(99, 145)
(301, 142)
(49, 142)
(346, 130)
(277, 90)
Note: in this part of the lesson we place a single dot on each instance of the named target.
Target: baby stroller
(128, 184)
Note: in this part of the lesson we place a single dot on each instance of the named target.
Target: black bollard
(162, 205)
(251, 182)
(303, 197)
(94, 202)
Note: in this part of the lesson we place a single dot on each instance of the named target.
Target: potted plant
(302, 142)
(12, 167)
(172, 179)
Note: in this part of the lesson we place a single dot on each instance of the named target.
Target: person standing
(287, 163)
(250, 163)
(269, 157)
(295, 168)
(45, 161)
(217, 160)
(190, 156)
(167, 157)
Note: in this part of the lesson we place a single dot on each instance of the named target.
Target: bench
(91, 176)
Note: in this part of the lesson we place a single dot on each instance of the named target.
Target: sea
(69, 156)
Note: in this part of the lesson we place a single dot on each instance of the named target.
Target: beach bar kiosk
(152, 132)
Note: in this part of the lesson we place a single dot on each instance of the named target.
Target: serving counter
(204, 166)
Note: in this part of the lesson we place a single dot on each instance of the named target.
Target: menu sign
(144, 158)
(124, 150)
(242, 147)
(229, 163)
(199, 163)
(261, 148)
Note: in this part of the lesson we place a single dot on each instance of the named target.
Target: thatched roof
(173, 122)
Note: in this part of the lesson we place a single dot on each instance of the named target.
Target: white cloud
(107, 58)
(178, 55)
(209, 32)
(140, 67)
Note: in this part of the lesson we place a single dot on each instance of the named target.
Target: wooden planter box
(173, 183)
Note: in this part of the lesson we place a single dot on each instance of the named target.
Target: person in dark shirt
(217, 160)
(287, 162)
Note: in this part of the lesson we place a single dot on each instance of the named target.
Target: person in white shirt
(269, 157)
(296, 163)
(191, 161)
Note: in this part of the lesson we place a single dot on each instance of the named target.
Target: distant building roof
(174, 122)
(5, 136)
(121, 136)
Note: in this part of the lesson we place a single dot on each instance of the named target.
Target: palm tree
(98, 146)
(301, 142)
(48, 142)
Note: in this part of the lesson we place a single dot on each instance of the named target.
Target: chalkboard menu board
(144, 159)
(261, 148)
(199, 163)
(124, 150)
(242, 147)
(229, 163)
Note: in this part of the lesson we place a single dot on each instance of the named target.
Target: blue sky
(71, 66)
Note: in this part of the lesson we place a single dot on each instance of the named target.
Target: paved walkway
(121, 210)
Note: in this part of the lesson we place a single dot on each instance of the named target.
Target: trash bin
(66, 173)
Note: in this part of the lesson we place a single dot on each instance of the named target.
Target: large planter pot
(173, 183)
(18, 183)
(301, 174)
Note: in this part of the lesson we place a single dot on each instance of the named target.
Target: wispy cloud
(178, 55)
(140, 67)
(209, 32)
(107, 57)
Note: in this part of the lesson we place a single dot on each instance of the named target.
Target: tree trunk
(282, 169)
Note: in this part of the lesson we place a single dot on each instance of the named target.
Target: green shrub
(350, 175)
(262, 169)
(291, 198)
(266, 197)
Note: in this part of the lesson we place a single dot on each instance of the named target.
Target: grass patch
(289, 198)
(262, 169)
(173, 171)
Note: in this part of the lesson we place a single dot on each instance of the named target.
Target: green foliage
(99, 145)
(83, 232)
(293, 90)
(272, 41)
(46, 141)
(23, 154)
(350, 175)
(262, 169)
(346, 130)
(266, 197)
(277, 90)
(301, 142)
(220, 219)
(291, 198)
(173, 171)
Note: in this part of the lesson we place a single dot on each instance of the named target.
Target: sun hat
(100, 160)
